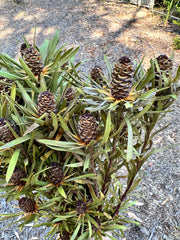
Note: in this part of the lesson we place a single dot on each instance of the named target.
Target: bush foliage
(96, 177)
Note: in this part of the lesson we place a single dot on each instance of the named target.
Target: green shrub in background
(176, 42)
(72, 145)
(170, 7)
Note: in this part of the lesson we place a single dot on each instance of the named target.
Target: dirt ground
(113, 29)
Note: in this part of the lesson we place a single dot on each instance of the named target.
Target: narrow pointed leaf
(15, 142)
(107, 128)
(130, 141)
(76, 231)
(62, 192)
(9, 76)
(12, 164)
(27, 70)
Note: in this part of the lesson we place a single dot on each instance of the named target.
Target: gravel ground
(115, 30)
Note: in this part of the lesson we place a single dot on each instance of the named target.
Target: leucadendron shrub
(65, 138)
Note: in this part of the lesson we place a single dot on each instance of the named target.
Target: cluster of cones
(121, 84)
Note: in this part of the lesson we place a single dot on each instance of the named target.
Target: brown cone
(46, 103)
(165, 66)
(70, 94)
(5, 132)
(96, 74)
(27, 205)
(16, 177)
(55, 173)
(3, 87)
(122, 76)
(81, 207)
(32, 58)
(87, 127)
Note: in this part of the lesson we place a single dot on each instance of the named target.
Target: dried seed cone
(27, 205)
(3, 87)
(5, 132)
(122, 76)
(46, 103)
(32, 58)
(96, 74)
(70, 94)
(81, 207)
(16, 177)
(87, 127)
(165, 65)
(55, 173)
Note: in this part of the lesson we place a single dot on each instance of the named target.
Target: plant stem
(104, 190)
(139, 164)
(123, 196)
(94, 171)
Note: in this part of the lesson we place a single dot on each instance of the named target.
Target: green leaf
(63, 146)
(10, 76)
(69, 56)
(107, 128)
(149, 94)
(13, 91)
(76, 231)
(31, 128)
(15, 142)
(60, 218)
(27, 44)
(127, 204)
(9, 59)
(120, 227)
(63, 123)
(27, 70)
(177, 77)
(9, 215)
(86, 163)
(90, 228)
(25, 96)
(135, 184)
(52, 46)
(145, 109)
(12, 164)
(43, 49)
(130, 141)
(148, 77)
(62, 192)
(43, 86)
(81, 177)
(108, 216)
(83, 236)
(108, 65)
(74, 165)
(58, 143)
(139, 66)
